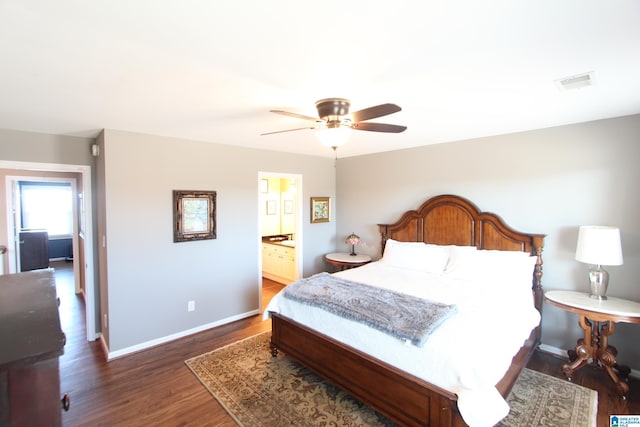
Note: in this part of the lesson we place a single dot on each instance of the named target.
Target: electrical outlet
(191, 306)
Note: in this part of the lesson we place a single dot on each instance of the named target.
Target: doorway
(280, 220)
(82, 236)
(45, 221)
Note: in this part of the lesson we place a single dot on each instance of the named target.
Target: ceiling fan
(334, 118)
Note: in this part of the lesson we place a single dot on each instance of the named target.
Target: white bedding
(490, 317)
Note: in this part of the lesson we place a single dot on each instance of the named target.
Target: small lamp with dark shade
(599, 245)
(353, 239)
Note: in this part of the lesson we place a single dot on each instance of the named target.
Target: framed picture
(288, 206)
(320, 209)
(264, 185)
(194, 215)
(271, 207)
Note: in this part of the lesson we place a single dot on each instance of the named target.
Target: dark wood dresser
(31, 340)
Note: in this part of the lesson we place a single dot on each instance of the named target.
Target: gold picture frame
(320, 209)
(194, 215)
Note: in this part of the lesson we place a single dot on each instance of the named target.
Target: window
(47, 206)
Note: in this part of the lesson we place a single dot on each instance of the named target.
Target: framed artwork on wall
(271, 207)
(320, 209)
(194, 215)
(288, 207)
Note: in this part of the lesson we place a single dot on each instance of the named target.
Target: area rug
(537, 399)
(259, 390)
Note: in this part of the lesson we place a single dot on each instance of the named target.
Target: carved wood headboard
(454, 220)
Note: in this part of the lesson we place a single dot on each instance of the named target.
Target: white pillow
(415, 256)
(500, 270)
(460, 260)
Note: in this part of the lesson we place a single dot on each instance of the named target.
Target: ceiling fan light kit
(333, 137)
(334, 124)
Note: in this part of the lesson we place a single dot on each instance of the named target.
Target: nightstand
(597, 319)
(343, 260)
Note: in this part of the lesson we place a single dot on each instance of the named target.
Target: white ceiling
(211, 70)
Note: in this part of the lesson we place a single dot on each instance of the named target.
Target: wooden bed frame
(403, 398)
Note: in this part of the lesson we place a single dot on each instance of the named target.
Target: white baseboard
(145, 345)
(553, 350)
(563, 353)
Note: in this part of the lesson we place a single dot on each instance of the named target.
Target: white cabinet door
(278, 263)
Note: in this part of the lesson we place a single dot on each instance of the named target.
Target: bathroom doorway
(280, 220)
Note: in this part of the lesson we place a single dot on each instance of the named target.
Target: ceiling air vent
(575, 82)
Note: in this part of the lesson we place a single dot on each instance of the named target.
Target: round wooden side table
(343, 260)
(597, 319)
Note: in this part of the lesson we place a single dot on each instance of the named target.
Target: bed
(404, 393)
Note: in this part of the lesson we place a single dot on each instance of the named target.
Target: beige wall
(547, 181)
(44, 148)
(148, 279)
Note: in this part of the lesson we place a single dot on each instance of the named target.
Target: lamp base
(598, 283)
(353, 250)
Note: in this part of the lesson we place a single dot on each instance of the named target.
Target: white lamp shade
(599, 245)
(333, 137)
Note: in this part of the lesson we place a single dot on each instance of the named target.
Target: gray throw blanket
(403, 316)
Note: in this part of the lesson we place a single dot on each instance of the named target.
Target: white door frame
(85, 171)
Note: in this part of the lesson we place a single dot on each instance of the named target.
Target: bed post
(537, 279)
(383, 237)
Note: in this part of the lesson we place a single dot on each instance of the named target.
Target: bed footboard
(399, 396)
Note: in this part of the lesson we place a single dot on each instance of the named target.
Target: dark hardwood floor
(154, 386)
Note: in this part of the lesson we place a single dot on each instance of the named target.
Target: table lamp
(353, 240)
(599, 245)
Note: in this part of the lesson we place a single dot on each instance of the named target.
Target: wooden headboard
(454, 220)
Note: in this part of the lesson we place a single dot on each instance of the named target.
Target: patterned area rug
(257, 389)
(542, 400)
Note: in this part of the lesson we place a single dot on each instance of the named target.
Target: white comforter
(467, 355)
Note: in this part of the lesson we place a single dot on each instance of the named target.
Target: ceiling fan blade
(287, 130)
(378, 127)
(373, 112)
(296, 115)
